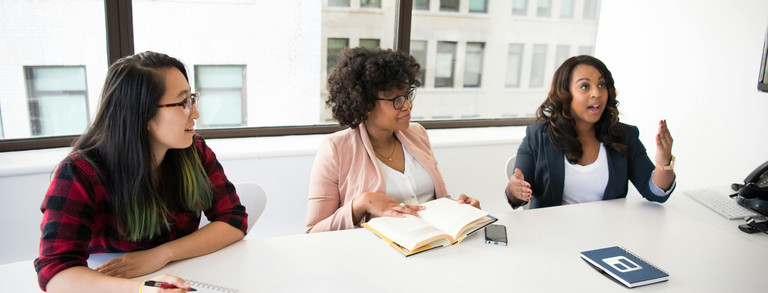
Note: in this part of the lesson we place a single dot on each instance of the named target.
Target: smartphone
(496, 234)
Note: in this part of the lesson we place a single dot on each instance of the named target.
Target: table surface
(701, 251)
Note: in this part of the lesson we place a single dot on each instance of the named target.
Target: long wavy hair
(118, 145)
(359, 76)
(555, 111)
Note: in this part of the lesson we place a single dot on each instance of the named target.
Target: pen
(163, 285)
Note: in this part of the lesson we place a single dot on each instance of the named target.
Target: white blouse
(413, 186)
(586, 183)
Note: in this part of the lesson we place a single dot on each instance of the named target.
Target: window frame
(119, 32)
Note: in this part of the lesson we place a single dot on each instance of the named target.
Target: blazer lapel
(617, 170)
(556, 169)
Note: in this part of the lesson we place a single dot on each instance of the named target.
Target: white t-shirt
(413, 186)
(586, 183)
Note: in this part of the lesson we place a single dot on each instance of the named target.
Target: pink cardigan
(346, 166)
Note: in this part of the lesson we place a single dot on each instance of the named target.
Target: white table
(694, 247)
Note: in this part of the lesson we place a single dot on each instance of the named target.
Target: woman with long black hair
(136, 182)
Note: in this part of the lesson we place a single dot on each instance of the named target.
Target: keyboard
(720, 203)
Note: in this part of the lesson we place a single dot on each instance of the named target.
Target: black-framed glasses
(399, 101)
(186, 104)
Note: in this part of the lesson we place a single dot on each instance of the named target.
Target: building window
(586, 50)
(370, 3)
(590, 9)
(419, 51)
(562, 52)
(335, 45)
(421, 4)
(369, 43)
(473, 65)
(445, 64)
(544, 8)
(222, 95)
(566, 9)
(478, 6)
(514, 65)
(449, 5)
(58, 98)
(338, 3)
(538, 59)
(520, 7)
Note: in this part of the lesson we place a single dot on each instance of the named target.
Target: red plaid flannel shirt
(78, 221)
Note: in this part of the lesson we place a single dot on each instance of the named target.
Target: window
(57, 99)
(369, 43)
(543, 8)
(538, 58)
(338, 3)
(222, 94)
(520, 7)
(514, 65)
(1, 123)
(47, 48)
(586, 50)
(566, 9)
(286, 83)
(562, 52)
(421, 5)
(449, 5)
(445, 63)
(334, 49)
(473, 66)
(370, 3)
(478, 5)
(590, 9)
(419, 52)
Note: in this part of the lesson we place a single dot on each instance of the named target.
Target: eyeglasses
(399, 101)
(186, 104)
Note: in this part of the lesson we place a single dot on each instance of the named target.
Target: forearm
(207, 239)
(82, 279)
(663, 178)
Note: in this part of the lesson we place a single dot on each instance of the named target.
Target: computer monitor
(762, 82)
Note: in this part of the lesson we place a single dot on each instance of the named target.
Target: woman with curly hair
(578, 151)
(382, 165)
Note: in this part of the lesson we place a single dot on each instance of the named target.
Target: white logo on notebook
(622, 264)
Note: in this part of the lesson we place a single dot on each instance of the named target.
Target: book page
(449, 216)
(409, 232)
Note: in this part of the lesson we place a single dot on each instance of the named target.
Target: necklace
(391, 153)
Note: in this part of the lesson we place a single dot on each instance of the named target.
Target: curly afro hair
(359, 76)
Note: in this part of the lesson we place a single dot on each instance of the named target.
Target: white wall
(696, 64)
(471, 161)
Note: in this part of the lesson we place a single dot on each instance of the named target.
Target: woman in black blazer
(579, 152)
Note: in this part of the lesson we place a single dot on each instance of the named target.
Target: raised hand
(518, 187)
(663, 145)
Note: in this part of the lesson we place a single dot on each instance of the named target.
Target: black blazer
(543, 167)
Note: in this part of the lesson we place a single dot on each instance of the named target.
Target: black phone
(754, 193)
(759, 176)
(496, 234)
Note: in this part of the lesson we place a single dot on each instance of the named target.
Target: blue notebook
(624, 267)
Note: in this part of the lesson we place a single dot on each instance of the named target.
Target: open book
(444, 222)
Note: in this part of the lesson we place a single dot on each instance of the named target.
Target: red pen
(163, 285)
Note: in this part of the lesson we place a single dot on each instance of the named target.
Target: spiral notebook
(210, 288)
(623, 266)
(97, 259)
